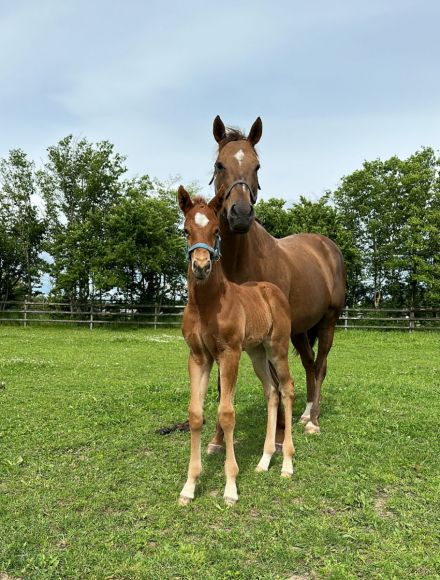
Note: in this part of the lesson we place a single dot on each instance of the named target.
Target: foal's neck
(207, 293)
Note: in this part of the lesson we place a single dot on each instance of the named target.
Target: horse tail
(312, 335)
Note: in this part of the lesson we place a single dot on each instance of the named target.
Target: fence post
(91, 316)
(411, 320)
(25, 313)
(346, 319)
(156, 312)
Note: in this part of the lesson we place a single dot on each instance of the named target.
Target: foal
(220, 320)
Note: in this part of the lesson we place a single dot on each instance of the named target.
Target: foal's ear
(218, 129)
(216, 202)
(256, 131)
(185, 201)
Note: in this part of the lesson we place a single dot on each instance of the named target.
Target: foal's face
(237, 161)
(201, 226)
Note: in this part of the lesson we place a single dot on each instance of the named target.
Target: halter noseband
(213, 251)
(238, 182)
(242, 182)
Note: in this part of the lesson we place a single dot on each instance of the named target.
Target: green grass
(88, 490)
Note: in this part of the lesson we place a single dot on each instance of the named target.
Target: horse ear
(217, 201)
(256, 131)
(218, 129)
(185, 202)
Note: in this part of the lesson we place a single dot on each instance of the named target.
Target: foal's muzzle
(201, 270)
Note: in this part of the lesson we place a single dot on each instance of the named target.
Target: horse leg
(287, 394)
(199, 375)
(216, 443)
(325, 336)
(263, 372)
(226, 414)
(280, 425)
(302, 345)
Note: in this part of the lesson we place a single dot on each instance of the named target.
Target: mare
(220, 320)
(308, 268)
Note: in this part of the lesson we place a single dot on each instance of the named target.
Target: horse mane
(232, 134)
(199, 200)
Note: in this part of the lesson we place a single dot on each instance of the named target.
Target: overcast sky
(334, 82)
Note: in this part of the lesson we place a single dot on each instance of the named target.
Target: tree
(80, 184)
(143, 254)
(21, 226)
(393, 208)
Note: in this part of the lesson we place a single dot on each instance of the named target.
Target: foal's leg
(216, 443)
(199, 375)
(325, 337)
(226, 414)
(287, 393)
(261, 368)
(302, 345)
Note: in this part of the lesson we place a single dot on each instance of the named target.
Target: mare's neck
(206, 294)
(242, 253)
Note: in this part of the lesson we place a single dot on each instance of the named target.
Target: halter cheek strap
(213, 251)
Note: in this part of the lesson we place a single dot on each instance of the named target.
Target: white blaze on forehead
(239, 156)
(201, 219)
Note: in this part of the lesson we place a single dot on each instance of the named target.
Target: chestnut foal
(220, 320)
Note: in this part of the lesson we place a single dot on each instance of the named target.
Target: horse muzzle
(201, 271)
(240, 217)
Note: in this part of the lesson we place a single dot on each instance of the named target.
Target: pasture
(89, 490)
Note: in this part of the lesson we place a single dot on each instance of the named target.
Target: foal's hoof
(230, 501)
(312, 429)
(260, 469)
(286, 474)
(304, 419)
(278, 447)
(214, 448)
(184, 500)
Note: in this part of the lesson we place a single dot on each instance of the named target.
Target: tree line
(100, 235)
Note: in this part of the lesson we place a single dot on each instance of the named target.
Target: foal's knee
(195, 420)
(226, 418)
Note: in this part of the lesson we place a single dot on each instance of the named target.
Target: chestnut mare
(220, 320)
(308, 268)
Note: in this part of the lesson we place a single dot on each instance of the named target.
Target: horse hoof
(230, 501)
(286, 474)
(184, 500)
(279, 447)
(214, 448)
(260, 469)
(303, 419)
(312, 429)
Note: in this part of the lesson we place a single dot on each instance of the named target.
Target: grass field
(88, 490)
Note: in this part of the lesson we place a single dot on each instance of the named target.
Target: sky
(335, 83)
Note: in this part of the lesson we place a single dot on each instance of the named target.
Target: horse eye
(257, 168)
(186, 232)
(219, 166)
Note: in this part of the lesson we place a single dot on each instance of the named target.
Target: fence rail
(165, 315)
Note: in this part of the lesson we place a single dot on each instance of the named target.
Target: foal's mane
(199, 200)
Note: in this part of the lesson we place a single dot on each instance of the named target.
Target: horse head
(202, 231)
(236, 169)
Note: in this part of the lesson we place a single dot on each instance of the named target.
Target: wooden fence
(154, 315)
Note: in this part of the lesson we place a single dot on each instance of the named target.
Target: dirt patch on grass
(380, 504)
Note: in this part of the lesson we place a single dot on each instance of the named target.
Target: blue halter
(214, 251)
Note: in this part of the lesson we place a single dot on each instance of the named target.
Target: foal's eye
(219, 166)
(186, 232)
(257, 168)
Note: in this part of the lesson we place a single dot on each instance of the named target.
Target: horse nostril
(234, 209)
